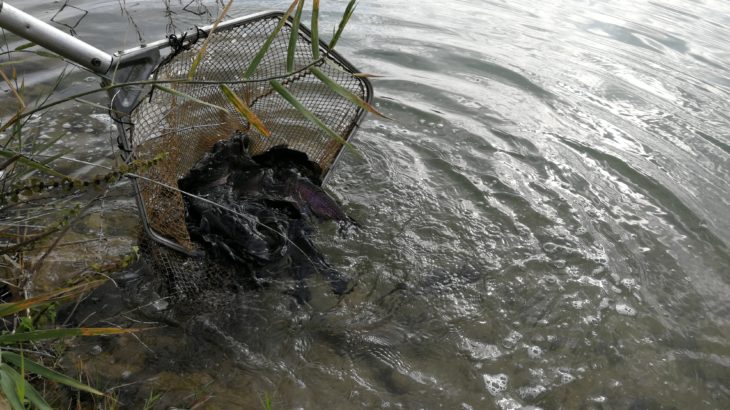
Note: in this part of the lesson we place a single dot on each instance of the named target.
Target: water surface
(546, 218)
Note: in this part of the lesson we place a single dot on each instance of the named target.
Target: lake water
(546, 218)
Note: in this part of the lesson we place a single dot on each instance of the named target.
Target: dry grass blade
(315, 29)
(344, 91)
(265, 47)
(343, 22)
(367, 75)
(21, 103)
(201, 52)
(188, 97)
(56, 296)
(244, 109)
(47, 334)
(293, 37)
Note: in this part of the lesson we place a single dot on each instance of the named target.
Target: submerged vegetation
(46, 191)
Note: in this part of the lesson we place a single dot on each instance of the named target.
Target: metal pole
(45, 35)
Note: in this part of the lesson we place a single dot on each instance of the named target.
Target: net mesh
(186, 129)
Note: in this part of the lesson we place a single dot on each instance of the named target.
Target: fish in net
(254, 217)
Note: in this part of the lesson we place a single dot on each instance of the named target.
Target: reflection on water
(547, 220)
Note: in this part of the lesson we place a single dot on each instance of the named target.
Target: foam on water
(495, 383)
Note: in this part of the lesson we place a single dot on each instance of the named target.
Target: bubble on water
(565, 377)
(496, 383)
(624, 309)
(511, 340)
(629, 283)
(480, 351)
(549, 247)
(551, 279)
(530, 392)
(534, 352)
(598, 399)
(592, 320)
(578, 304)
(508, 403)
(560, 263)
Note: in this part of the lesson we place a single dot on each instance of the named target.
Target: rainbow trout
(318, 201)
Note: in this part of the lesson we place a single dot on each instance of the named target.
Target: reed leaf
(290, 53)
(46, 54)
(8, 162)
(265, 47)
(7, 386)
(344, 91)
(47, 373)
(315, 29)
(201, 52)
(46, 334)
(343, 22)
(187, 97)
(289, 97)
(244, 109)
(25, 389)
(31, 163)
(12, 62)
(24, 46)
(367, 75)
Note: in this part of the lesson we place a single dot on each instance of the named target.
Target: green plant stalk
(30, 163)
(49, 374)
(343, 22)
(315, 29)
(7, 385)
(291, 51)
(344, 91)
(24, 389)
(199, 56)
(306, 113)
(265, 47)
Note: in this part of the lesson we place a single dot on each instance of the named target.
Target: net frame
(186, 130)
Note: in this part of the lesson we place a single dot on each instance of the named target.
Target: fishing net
(185, 124)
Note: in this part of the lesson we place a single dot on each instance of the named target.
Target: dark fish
(266, 228)
(281, 158)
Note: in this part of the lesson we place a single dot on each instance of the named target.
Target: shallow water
(547, 218)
